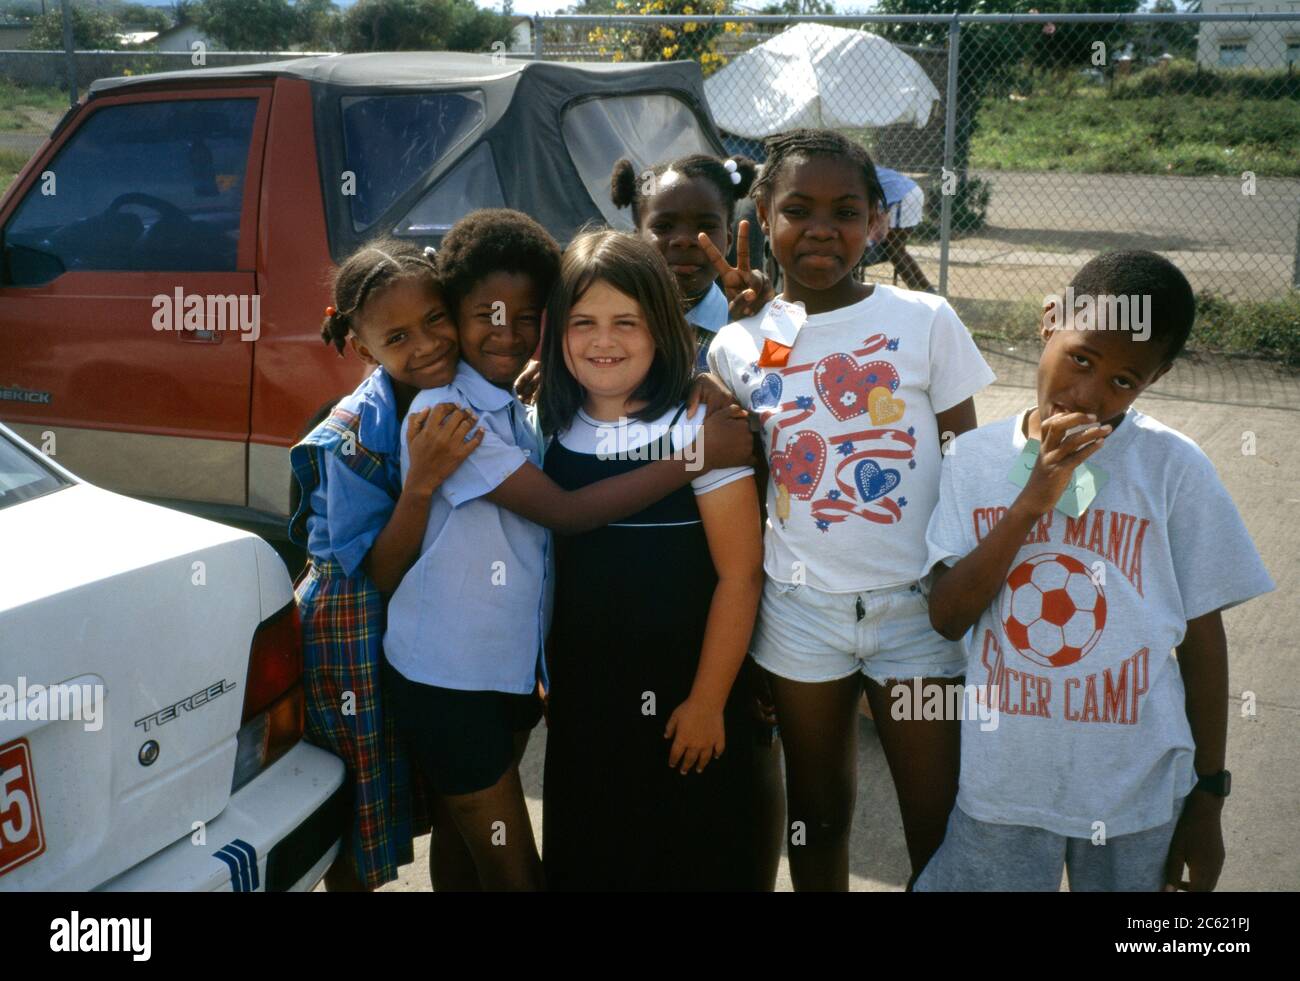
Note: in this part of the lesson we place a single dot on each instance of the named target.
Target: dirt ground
(1214, 402)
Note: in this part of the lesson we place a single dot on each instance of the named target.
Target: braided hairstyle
(627, 187)
(371, 268)
(785, 147)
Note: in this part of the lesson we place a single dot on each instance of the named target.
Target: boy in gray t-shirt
(1084, 541)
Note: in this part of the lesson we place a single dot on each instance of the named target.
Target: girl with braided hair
(686, 209)
(362, 529)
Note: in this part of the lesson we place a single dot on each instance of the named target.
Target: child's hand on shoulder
(698, 734)
(1197, 844)
(726, 440)
(1059, 456)
(436, 438)
(708, 390)
(528, 382)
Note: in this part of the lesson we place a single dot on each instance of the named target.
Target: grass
(1266, 329)
(1086, 131)
(17, 100)
(11, 161)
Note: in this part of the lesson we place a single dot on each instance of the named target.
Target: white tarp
(818, 76)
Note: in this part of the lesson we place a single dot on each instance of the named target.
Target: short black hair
(784, 147)
(495, 240)
(367, 271)
(627, 187)
(1136, 272)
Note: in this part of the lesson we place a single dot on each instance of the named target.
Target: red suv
(166, 254)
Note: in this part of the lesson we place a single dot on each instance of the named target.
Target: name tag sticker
(1085, 484)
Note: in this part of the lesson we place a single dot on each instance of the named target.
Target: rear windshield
(647, 129)
(22, 477)
(391, 141)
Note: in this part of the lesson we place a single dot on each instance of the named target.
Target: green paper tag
(1085, 484)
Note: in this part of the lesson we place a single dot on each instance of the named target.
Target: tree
(422, 25)
(319, 24)
(667, 42)
(248, 25)
(92, 30)
(140, 16)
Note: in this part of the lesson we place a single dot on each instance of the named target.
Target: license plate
(21, 836)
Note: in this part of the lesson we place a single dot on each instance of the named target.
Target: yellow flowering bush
(666, 42)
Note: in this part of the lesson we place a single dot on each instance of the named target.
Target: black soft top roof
(523, 103)
(387, 68)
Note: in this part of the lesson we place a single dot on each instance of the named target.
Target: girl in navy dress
(649, 781)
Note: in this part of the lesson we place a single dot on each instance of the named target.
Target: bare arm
(964, 591)
(730, 516)
(531, 494)
(896, 249)
(1198, 837)
(955, 421)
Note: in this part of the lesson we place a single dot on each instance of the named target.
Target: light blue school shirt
(711, 315)
(473, 611)
(347, 511)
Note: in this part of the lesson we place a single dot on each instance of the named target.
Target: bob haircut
(634, 267)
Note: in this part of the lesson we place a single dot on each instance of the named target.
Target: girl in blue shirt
(361, 527)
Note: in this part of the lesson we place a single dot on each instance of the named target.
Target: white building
(182, 37)
(1233, 44)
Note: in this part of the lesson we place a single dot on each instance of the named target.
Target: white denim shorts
(805, 634)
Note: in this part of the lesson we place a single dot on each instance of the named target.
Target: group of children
(678, 642)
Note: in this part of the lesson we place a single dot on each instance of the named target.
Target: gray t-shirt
(1091, 723)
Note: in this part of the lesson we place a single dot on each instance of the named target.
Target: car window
(145, 186)
(22, 477)
(647, 129)
(471, 184)
(391, 141)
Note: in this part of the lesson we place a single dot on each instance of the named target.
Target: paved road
(1263, 752)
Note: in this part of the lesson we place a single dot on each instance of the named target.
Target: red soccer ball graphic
(1052, 611)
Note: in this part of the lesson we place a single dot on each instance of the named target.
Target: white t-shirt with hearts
(850, 432)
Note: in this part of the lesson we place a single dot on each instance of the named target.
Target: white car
(151, 704)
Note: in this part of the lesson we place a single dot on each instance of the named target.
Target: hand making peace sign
(747, 289)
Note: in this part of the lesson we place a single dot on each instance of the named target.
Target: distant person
(905, 202)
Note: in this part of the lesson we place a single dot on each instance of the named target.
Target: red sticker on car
(21, 836)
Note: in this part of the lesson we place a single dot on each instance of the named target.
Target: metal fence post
(71, 50)
(949, 152)
(537, 37)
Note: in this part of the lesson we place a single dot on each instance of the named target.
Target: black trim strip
(302, 848)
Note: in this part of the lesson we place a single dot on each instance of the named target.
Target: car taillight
(273, 697)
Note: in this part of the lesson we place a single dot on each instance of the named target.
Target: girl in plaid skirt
(362, 530)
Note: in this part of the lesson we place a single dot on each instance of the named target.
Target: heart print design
(883, 408)
(798, 468)
(872, 481)
(768, 392)
(844, 385)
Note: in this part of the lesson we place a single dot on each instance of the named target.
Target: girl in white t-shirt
(858, 388)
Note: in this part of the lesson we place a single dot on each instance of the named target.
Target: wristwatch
(1219, 784)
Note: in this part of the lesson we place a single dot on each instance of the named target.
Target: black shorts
(462, 741)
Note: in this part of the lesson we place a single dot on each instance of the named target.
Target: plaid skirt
(348, 714)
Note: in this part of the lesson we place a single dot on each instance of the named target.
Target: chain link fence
(1037, 141)
(1024, 144)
